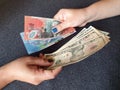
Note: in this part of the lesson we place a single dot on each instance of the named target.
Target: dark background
(100, 71)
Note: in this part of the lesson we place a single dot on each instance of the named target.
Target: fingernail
(54, 30)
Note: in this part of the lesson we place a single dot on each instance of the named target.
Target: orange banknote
(40, 28)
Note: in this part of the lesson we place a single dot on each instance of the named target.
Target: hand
(71, 18)
(29, 69)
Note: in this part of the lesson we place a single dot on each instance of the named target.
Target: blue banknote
(33, 46)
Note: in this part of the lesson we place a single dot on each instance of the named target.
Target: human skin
(27, 69)
(80, 17)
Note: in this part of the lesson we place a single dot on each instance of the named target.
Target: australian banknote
(38, 33)
(39, 28)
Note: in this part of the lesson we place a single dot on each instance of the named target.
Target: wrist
(6, 77)
(91, 14)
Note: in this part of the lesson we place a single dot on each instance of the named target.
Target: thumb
(60, 27)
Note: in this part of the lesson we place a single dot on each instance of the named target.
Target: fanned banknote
(38, 33)
(33, 46)
(40, 28)
(81, 46)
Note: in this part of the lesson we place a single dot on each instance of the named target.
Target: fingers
(41, 55)
(56, 71)
(42, 75)
(60, 16)
(61, 26)
(38, 61)
(51, 74)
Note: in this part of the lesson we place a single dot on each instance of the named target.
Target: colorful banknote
(39, 28)
(38, 33)
(33, 46)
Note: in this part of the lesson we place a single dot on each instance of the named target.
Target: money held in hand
(40, 28)
(40, 33)
(81, 46)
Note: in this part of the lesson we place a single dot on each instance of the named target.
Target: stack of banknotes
(85, 43)
(40, 33)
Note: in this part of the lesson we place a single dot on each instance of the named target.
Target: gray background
(100, 71)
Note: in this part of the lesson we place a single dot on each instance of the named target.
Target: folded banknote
(85, 43)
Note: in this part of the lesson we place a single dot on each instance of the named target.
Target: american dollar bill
(81, 46)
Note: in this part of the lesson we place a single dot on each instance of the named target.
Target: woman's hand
(71, 18)
(28, 69)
